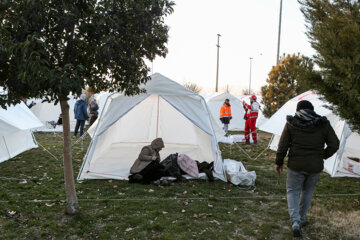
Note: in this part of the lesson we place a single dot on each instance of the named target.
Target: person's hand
(278, 169)
(153, 158)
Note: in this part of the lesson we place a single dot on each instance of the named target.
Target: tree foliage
(51, 48)
(192, 86)
(285, 81)
(333, 28)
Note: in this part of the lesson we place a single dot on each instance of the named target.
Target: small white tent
(341, 163)
(15, 134)
(48, 111)
(215, 102)
(128, 123)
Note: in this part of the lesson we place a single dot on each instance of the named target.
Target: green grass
(112, 209)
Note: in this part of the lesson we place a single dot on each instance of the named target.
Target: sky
(248, 28)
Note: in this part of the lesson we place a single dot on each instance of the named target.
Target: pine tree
(333, 27)
(285, 82)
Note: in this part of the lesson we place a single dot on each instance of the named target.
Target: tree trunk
(72, 205)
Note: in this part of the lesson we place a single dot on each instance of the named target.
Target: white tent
(15, 134)
(215, 102)
(48, 111)
(101, 100)
(166, 110)
(340, 164)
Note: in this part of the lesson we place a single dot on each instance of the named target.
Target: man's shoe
(247, 142)
(137, 177)
(296, 229)
(164, 183)
(255, 142)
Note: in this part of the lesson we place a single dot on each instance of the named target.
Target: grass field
(196, 209)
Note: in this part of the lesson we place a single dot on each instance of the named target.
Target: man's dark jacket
(306, 141)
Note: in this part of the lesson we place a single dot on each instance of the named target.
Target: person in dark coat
(303, 141)
(81, 114)
(93, 107)
(147, 168)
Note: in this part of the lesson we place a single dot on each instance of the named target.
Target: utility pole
(278, 48)
(250, 75)
(217, 65)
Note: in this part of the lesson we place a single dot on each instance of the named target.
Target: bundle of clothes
(149, 169)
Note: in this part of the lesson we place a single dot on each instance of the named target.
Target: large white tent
(16, 137)
(48, 111)
(215, 102)
(128, 123)
(340, 164)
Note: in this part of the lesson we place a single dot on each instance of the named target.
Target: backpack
(171, 167)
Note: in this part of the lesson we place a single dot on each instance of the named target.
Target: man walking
(225, 115)
(250, 122)
(303, 140)
(81, 114)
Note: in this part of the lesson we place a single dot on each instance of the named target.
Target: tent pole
(7, 149)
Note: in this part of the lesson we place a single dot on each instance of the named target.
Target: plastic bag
(237, 174)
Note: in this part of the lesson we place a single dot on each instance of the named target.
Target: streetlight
(250, 75)
(278, 47)
(217, 65)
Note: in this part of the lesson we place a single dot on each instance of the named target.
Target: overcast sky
(248, 28)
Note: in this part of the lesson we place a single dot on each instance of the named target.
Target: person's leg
(82, 124)
(77, 127)
(226, 128)
(253, 129)
(92, 120)
(246, 131)
(307, 194)
(294, 183)
(151, 172)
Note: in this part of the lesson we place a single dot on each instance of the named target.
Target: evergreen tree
(50, 49)
(333, 27)
(285, 82)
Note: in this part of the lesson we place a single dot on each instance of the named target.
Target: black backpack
(171, 167)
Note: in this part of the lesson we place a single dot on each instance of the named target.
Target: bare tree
(192, 86)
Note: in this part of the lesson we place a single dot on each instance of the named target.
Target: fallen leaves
(215, 222)
(11, 213)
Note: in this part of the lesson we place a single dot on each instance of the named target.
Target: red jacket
(254, 110)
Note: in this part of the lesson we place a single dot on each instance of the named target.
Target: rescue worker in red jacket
(225, 115)
(252, 112)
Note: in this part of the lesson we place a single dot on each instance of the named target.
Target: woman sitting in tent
(147, 168)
